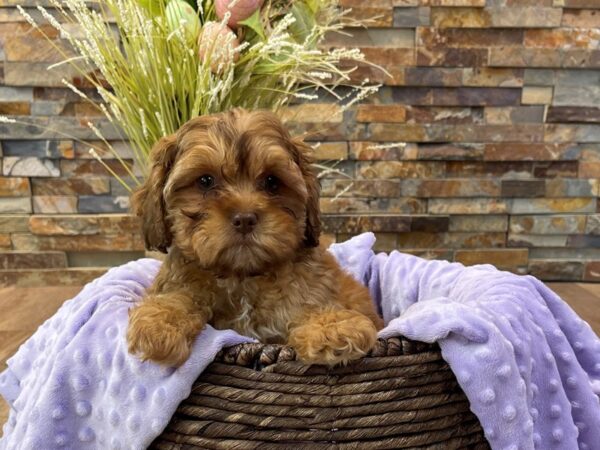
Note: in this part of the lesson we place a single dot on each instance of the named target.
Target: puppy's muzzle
(244, 222)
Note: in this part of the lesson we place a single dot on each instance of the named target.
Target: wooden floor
(22, 310)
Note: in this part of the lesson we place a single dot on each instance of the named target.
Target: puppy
(232, 200)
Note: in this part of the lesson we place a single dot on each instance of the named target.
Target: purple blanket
(528, 364)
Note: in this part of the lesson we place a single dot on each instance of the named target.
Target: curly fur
(274, 283)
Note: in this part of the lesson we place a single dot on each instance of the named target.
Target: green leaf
(304, 24)
(255, 24)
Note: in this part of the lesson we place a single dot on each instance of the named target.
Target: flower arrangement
(158, 63)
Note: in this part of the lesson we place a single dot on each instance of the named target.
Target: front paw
(333, 337)
(160, 334)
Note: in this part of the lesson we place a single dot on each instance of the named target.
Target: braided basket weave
(256, 396)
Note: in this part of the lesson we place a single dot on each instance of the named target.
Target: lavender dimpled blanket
(529, 366)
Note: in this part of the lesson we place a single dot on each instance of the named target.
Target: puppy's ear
(148, 201)
(313, 215)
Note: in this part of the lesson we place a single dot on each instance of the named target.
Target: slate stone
(103, 204)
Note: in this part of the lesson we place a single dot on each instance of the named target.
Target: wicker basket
(256, 396)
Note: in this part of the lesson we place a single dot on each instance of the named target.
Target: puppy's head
(232, 191)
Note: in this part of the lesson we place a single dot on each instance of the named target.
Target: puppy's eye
(206, 181)
(272, 184)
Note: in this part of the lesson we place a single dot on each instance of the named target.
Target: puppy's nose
(244, 222)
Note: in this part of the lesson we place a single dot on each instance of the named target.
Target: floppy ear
(148, 201)
(313, 215)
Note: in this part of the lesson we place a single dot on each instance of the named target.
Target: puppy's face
(233, 192)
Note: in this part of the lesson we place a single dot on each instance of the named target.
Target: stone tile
(360, 224)
(446, 152)
(524, 57)
(536, 240)
(528, 152)
(80, 225)
(478, 223)
(343, 205)
(32, 260)
(569, 187)
(492, 77)
(15, 108)
(450, 240)
(573, 114)
(16, 94)
(502, 170)
(542, 224)
(460, 18)
(87, 185)
(82, 167)
(592, 271)
(399, 169)
(553, 205)
(476, 96)
(584, 95)
(360, 188)
(501, 258)
(552, 270)
(389, 57)
(480, 3)
(30, 47)
(572, 133)
(36, 74)
(468, 206)
(568, 253)
(523, 188)
(432, 37)
(537, 95)
(368, 151)
(312, 112)
(577, 77)
(56, 127)
(121, 242)
(592, 225)
(556, 169)
(539, 77)
(450, 188)
(379, 16)
(411, 17)
(47, 108)
(381, 113)
(500, 17)
(14, 187)
(580, 18)
(580, 4)
(15, 205)
(444, 115)
(14, 223)
(514, 114)
(116, 148)
(54, 204)
(430, 224)
(331, 151)
(103, 204)
(442, 254)
(583, 241)
(29, 167)
(372, 37)
(433, 76)
(413, 96)
(39, 149)
(589, 169)
(451, 57)
(50, 277)
(563, 38)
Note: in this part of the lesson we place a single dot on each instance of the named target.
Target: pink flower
(219, 43)
(241, 10)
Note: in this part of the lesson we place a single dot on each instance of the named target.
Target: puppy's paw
(333, 337)
(161, 334)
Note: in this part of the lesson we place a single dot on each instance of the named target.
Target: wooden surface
(22, 310)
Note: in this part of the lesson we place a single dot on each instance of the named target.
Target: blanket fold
(529, 366)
